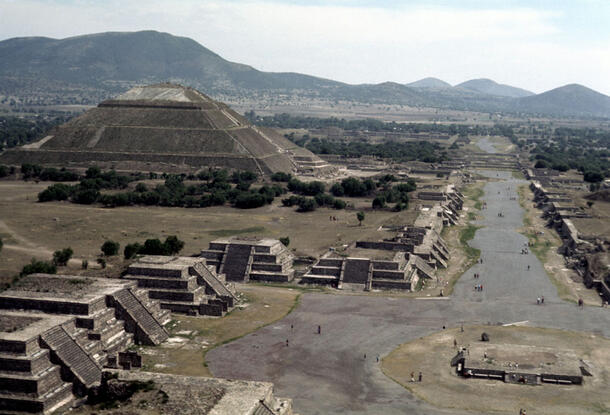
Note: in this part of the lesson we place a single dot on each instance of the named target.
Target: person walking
(319, 329)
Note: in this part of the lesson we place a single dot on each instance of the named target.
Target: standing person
(412, 376)
(420, 376)
(542, 300)
(319, 329)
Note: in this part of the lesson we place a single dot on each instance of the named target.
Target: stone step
(54, 399)
(35, 385)
(270, 276)
(160, 282)
(31, 364)
(72, 356)
(164, 295)
(149, 330)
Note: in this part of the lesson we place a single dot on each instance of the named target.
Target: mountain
(487, 86)
(91, 68)
(136, 56)
(429, 83)
(572, 99)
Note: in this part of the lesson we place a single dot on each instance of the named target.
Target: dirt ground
(546, 242)
(443, 388)
(191, 337)
(31, 229)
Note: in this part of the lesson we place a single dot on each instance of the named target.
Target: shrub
(379, 202)
(141, 188)
(360, 216)
(131, 250)
(281, 177)
(285, 241)
(102, 262)
(85, 264)
(57, 191)
(173, 245)
(339, 204)
(36, 267)
(62, 256)
(307, 205)
(110, 248)
(247, 200)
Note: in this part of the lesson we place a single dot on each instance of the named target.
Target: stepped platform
(87, 298)
(182, 284)
(245, 259)
(30, 380)
(362, 273)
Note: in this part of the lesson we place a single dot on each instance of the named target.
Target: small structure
(183, 284)
(367, 274)
(245, 259)
(522, 364)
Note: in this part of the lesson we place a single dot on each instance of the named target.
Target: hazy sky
(537, 45)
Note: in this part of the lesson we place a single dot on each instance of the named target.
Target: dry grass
(442, 387)
(55, 225)
(263, 306)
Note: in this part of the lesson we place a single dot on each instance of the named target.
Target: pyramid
(166, 127)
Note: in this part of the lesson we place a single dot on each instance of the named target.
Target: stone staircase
(72, 356)
(356, 270)
(146, 327)
(236, 261)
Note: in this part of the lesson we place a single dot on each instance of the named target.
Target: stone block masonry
(183, 284)
(58, 332)
(245, 259)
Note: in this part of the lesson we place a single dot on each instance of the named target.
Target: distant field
(31, 229)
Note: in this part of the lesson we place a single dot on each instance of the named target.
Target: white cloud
(354, 44)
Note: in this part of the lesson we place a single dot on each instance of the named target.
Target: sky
(537, 45)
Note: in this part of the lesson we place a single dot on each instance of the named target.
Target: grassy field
(442, 387)
(31, 229)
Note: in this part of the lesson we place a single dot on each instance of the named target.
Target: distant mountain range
(100, 65)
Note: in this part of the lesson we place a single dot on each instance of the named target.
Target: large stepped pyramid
(167, 127)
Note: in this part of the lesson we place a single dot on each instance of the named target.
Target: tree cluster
(171, 246)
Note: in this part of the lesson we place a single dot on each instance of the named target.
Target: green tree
(360, 216)
(379, 202)
(173, 245)
(62, 256)
(110, 248)
(285, 241)
(131, 250)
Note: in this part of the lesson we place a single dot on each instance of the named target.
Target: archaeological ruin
(167, 128)
(250, 259)
(183, 284)
(585, 251)
(59, 332)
